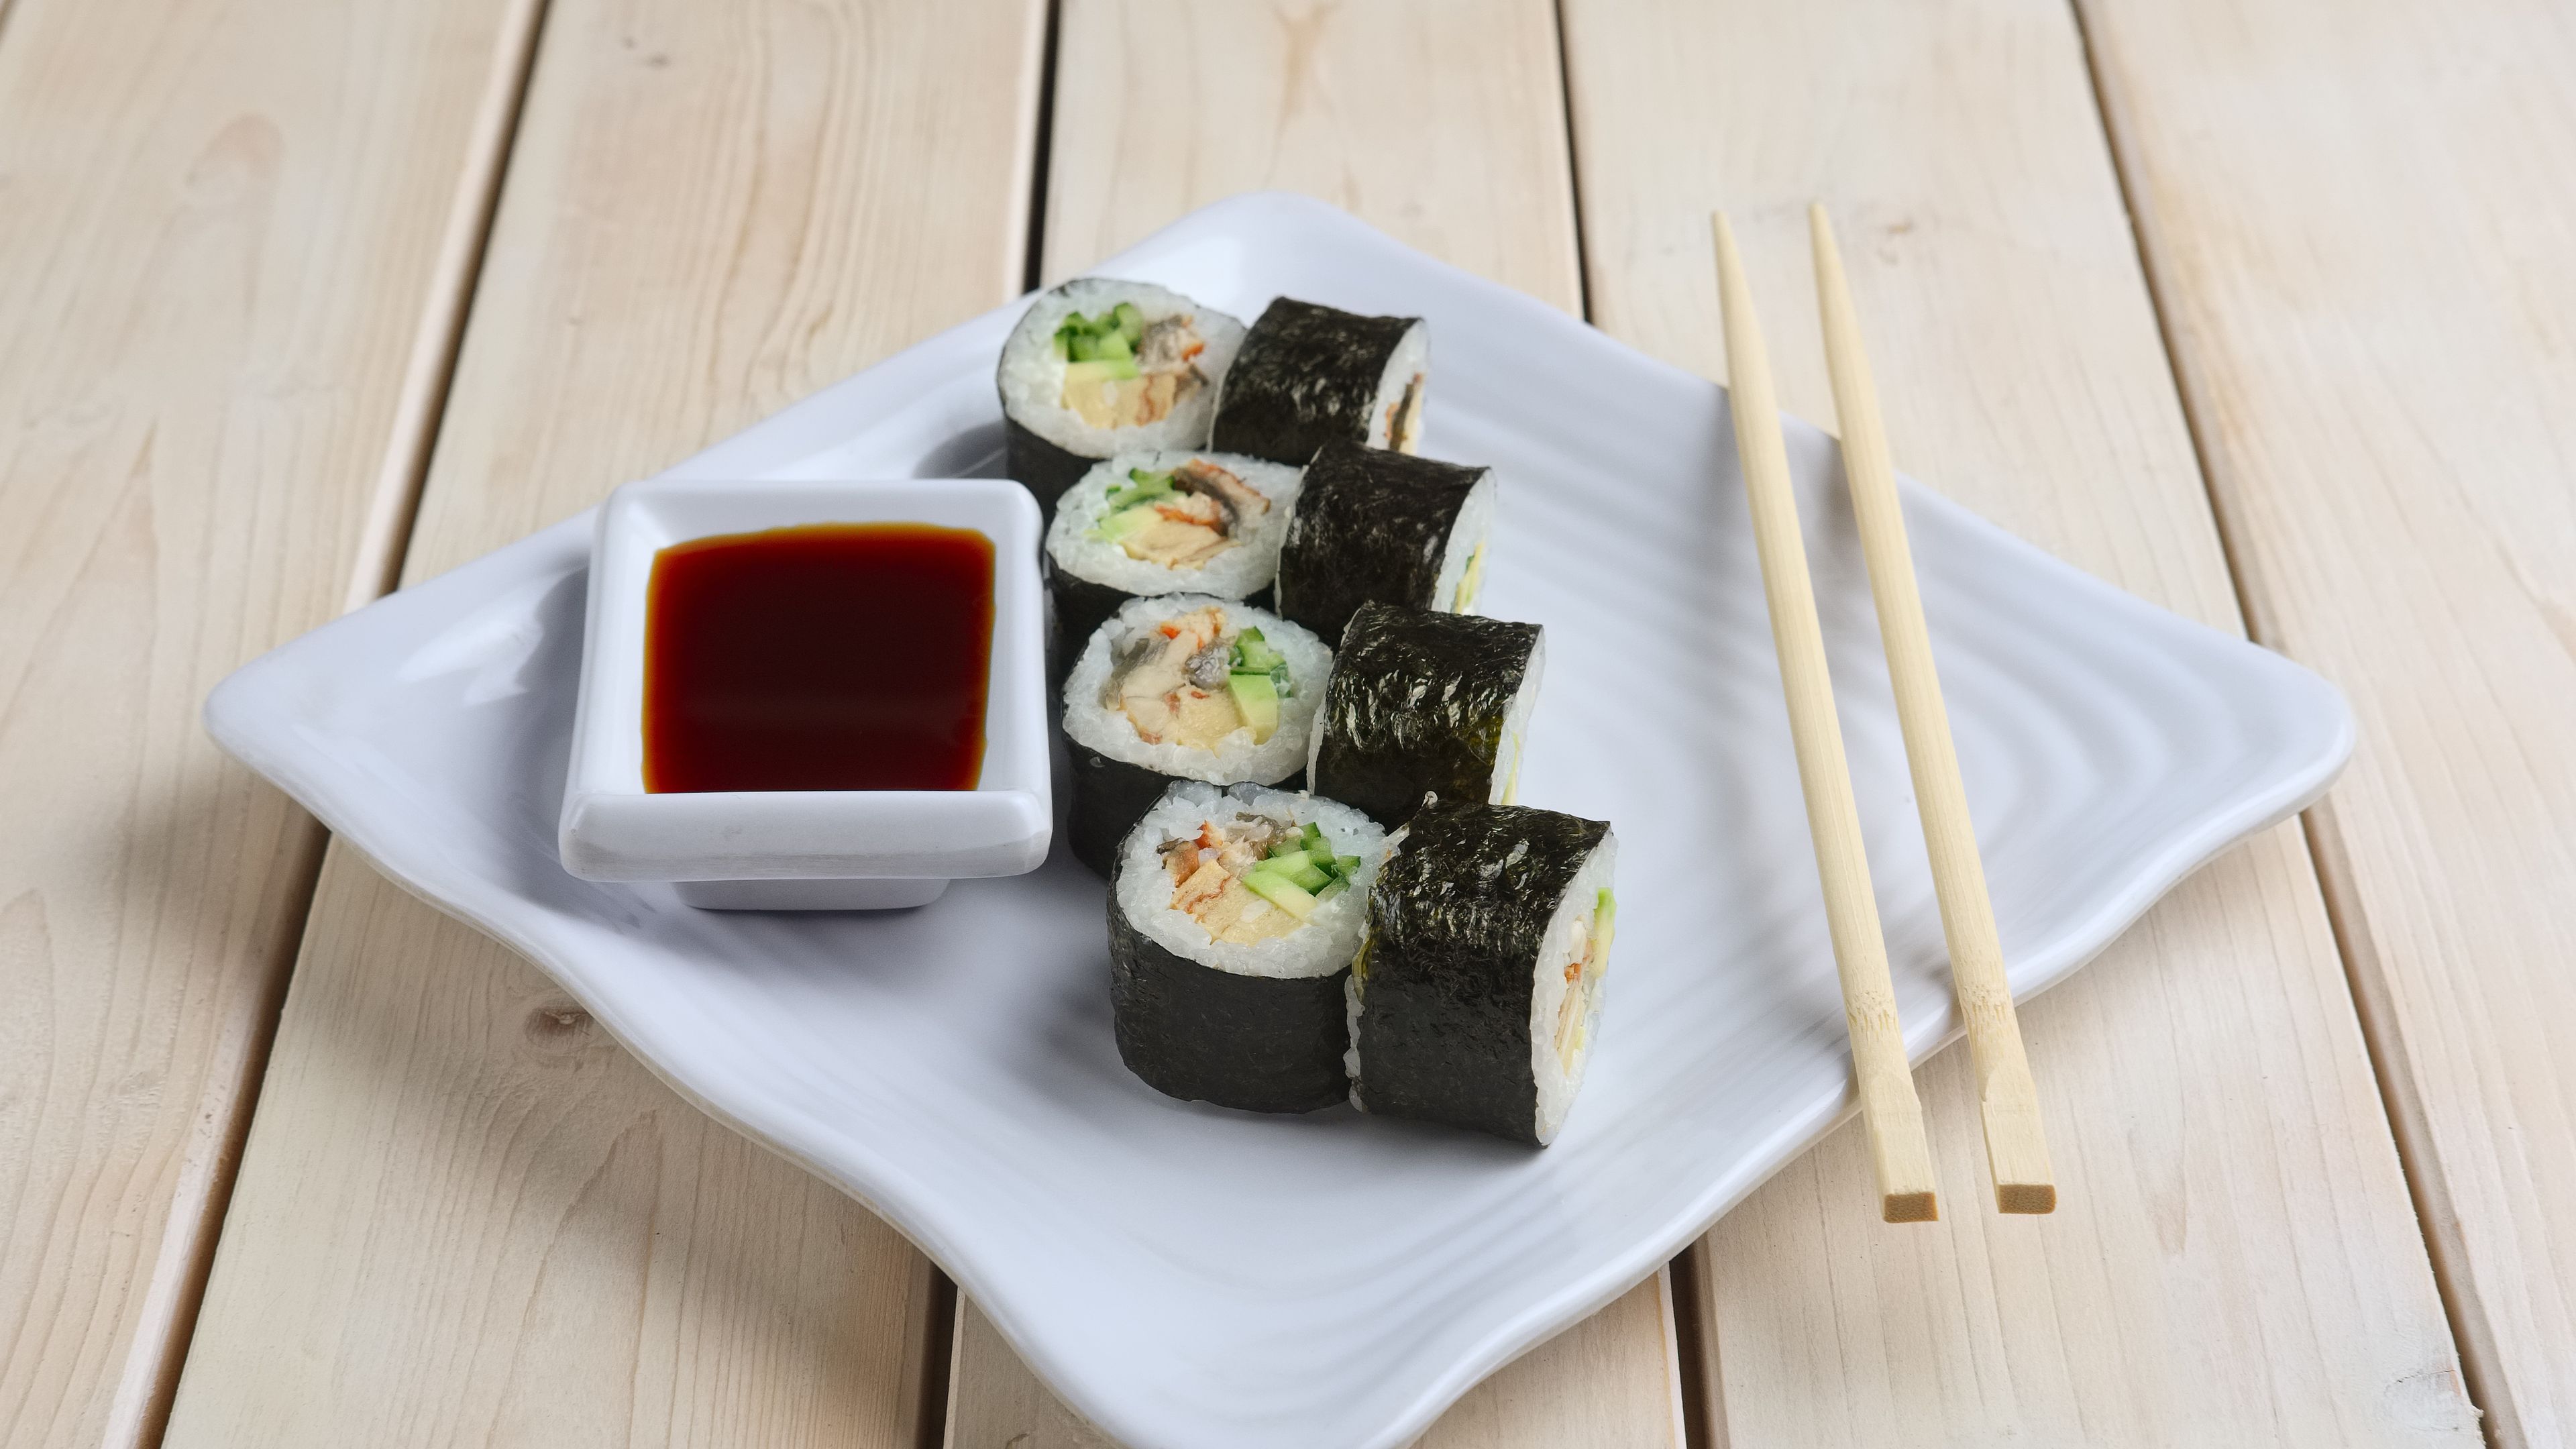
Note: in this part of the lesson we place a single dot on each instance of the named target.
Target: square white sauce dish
(778, 705)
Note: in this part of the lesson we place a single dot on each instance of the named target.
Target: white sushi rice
(1102, 726)
(1411, 359)
(1321, 946)
(1557, 1084)
(1235, 573)
(1472, 530)
(1516, 725)
(1354, 1002)
(1032, 376)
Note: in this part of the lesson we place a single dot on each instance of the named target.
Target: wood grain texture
(215, 252)
(1588, 1385)
(465, 1215)
(2359, 224)
(2233, 1259)
(1442, 122)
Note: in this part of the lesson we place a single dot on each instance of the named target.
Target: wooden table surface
(2262, 309)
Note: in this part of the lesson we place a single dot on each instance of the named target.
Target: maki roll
(1370, 524)
(1477, 993)
(1097, 367)
(1163, 523)
(1232, 923)
(1311, 375)
(1426, 705)
(1183, 687)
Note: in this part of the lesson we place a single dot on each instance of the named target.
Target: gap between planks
(2418, 1158)
(2022, 220)
(432, 400)
(140, 1411)
(1510, 245)
(140, 1381)
(395, 501)
(945, 1345)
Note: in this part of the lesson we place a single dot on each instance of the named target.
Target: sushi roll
(1423, 705)
(1311, 375)
(1163, 523)
(1476, 996)
(1232, 922)
(1375, 525)
(1183, 687)
(1097, 367)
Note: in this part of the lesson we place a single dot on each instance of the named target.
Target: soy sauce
(827, 657)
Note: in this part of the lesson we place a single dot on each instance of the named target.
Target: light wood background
(466, 1216)
(2115, 262)
(2379, 352)
(2225, 1170)
(214, 254)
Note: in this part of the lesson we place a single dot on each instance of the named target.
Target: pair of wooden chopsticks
(2016, 1150)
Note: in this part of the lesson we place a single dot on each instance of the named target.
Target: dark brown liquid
(829, 657)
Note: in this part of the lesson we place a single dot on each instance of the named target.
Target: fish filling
(1583, 968)
(1191, 681)
(1255, 879)
(1180, 517)
(1121, 371)
(1404, 417)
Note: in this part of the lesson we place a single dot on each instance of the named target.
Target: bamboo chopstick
(1888, 1106)
(2008, 1099)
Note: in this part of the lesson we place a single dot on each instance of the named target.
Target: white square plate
(1186, 1276)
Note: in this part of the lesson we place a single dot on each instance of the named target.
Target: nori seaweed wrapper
(1456, 923)
(1370, 525)
(1307, 375)
(1255, 1043)
(1040, 466)
(1110, 796)
(1081, 607)
(1417, 705)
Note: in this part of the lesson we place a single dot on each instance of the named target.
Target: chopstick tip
(1910, 1207)
(2026, 1197)
(1820, 234)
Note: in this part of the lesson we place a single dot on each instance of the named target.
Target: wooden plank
(1588, 1385)
(2358, 224)
(465, 1215)
(215, 256)
(1442, 122)
(2233, 1260)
